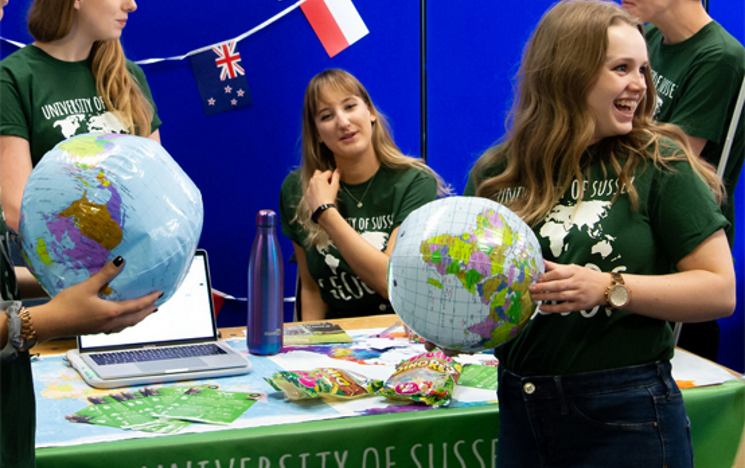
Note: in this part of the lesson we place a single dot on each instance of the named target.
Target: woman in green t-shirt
(72, 79)
(343, 206)
(632, 237)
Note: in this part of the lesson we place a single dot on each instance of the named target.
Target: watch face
(618, 296)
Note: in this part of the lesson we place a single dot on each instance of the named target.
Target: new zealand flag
(221, 79)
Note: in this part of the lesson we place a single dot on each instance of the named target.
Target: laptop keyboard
(156, 354)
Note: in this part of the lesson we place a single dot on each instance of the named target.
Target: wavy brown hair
(550, 125)
(316, 155)
(50, 20)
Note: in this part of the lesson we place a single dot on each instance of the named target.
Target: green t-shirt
(17, 404)
(676, 212)
(391, 196)
(45, 100)
(697, 82)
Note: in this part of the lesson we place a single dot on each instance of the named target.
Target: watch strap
(320, 210)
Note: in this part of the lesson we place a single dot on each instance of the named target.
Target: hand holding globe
(78, 310)
(459, 273)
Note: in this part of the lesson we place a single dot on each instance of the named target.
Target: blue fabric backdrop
(239, 158)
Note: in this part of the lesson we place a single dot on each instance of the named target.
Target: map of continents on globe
(94, 197)
(83, 220)
(494, 263)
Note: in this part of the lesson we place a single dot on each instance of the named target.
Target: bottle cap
(266, 218)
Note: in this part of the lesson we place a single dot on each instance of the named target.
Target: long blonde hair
(317, 156)
(50, 20)
(551, 125)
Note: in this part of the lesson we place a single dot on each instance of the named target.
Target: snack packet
(429, 378)
(328, 383)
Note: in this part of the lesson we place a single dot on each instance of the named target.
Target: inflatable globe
(459, 273)
(94, 197)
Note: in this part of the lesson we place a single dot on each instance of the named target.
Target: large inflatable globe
(94, 197)
(459, 273)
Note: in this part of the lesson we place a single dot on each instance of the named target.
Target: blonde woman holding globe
(76, 310)
(632, 236)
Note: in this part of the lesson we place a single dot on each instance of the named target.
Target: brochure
(164, 409)
(315, 333)
(208, 405)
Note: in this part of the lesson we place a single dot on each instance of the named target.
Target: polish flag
(336, 23)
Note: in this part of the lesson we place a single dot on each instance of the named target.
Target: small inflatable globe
(459, 273)
(94, 197)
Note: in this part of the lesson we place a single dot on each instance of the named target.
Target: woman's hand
(572, 287)
(703, 288)
(322, 188)
(429, 346)
(78, 310)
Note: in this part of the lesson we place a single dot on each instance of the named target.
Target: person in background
(72, 79)
(343, 206)
(698, 69)
(615, 200)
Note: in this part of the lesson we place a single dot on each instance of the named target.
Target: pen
(389, 329)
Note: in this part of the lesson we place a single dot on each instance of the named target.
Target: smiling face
(344, 124)
(621, 84)
(103, 20)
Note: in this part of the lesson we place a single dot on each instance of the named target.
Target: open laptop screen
(187, 315)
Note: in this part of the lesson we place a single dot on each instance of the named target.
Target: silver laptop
(178, 342)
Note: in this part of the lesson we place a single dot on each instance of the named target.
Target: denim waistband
(548, 387)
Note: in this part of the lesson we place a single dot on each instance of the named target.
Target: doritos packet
(328, 383)
(428, 378)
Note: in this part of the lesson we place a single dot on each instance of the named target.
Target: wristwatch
(617, 294)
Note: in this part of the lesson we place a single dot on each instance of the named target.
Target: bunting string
(221, 78)
(202, 49)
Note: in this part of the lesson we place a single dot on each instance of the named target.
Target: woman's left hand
(322, 188)
(572, 287)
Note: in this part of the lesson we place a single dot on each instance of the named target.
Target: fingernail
(161, 295)
(118, 261)
(156, 309)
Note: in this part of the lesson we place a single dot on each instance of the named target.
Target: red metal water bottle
(265, 288)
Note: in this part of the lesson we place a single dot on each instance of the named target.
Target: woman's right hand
(322, 188)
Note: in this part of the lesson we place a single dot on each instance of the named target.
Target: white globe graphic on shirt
(94, 197)
(460, 270)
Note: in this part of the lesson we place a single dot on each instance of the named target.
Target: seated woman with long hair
(343, 206)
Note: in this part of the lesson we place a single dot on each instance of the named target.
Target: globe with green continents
(459, 273)
(94, 197)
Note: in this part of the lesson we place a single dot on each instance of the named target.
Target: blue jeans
(631, 417)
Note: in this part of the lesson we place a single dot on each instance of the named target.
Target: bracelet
(28, 334)
(320, 210)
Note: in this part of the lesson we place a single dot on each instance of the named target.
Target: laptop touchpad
(180, 365)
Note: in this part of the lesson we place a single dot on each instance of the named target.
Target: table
(430, 438)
